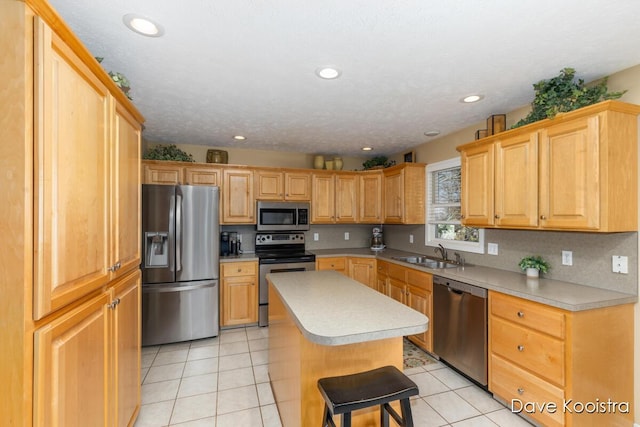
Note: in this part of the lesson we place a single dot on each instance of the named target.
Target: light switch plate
(567, 258)
(316, 236)
(410, 238)
(346, 235)
(492, 248)
(620, 264)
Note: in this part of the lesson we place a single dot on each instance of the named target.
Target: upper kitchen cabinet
(164, 173)
(404, 194)
(238, 201)
(577, 171)
(277, 185)
(370, 197)
(334, 197)
(72, 182)
(203, 176)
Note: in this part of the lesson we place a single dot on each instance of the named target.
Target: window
(443, 210)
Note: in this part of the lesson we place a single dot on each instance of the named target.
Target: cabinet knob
(520, 314)
(520, 347)
(462, 216)
(239, 270)
(497, 216)
(520, 390)
(542, 217)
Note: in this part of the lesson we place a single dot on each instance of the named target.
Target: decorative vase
(318, 161)
(328, 165)
(337, 163)
(533, 272)
(217, 156)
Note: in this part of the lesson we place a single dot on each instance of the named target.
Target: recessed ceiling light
(367, 148)
(328, 73)
(142, 25)
(471, 98)
(239, 137)
(432, 133)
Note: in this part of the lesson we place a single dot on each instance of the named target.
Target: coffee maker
(377, 244)
(229, 243)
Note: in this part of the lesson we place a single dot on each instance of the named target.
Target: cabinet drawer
(382, 267)
(338, 264)
(527, 313)
(518, 387)
(420, 279)
(239, 269)
(539, 353)
(397, 272)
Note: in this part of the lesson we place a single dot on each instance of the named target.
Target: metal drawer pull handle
(521, 348)
(520, 314)
(520, 390)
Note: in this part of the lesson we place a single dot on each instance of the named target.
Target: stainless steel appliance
(283, 216)
(460, 326)
(180, 266)
(279, 253)
(377, 243)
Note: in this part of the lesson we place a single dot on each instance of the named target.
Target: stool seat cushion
(350, 392)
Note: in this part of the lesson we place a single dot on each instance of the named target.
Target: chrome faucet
(443, 252)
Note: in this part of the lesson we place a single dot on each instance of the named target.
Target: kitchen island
(322, 324)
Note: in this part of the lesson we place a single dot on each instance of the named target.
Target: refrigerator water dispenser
(156, 249)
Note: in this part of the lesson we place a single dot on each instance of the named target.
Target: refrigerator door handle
(178, 232)
(183, 288)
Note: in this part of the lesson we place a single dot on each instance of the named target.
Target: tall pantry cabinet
(69, 265)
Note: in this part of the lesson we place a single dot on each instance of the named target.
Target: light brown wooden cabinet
(363, 270)
(72, 180)
(575, 172)
(278, 185)
(334, 198)
(238, 201)
(413, 288)
(239, 293)
(370, 197)
(163, 173)
(203, 176)
(541, 354)
(404, 194)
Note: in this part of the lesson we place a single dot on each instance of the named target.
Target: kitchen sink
(428, 262)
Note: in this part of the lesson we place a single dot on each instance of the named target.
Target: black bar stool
(347, 393)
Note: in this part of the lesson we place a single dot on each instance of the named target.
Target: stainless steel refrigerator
(180, 266)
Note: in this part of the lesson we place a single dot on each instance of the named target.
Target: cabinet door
(238, 202)
(203, 176)
(269, 185)
(163, 174)
(370, 198)
(569, 175)
(381, 276)
(334, 263)
(516, 181)
(477, 185)
(71, 367)
(239, 300)
(394, 197)
(396, 290)
(363, 270)
(71, 176)
(323, 198)
(126, 349)
(125, 199)
(420, 300)
(297, 186)
(346, 203)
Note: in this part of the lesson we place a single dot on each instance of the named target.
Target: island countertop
(332, 309)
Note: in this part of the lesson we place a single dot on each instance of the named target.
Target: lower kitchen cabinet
(87, 361)
(540, 355)
(239, 293)
(338, 264)
(410, 287)
(363, 270)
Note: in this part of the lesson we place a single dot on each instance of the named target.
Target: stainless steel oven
(279, 253)
(283, 216)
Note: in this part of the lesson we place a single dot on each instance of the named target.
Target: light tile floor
(223, 381)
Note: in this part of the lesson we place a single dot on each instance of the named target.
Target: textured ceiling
(228, 67)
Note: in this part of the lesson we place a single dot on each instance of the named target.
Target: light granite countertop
(332, 309)
(556, 293)
(241, 257)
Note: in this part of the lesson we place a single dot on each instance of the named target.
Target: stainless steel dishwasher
(460, 326)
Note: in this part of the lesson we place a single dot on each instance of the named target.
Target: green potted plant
(562, 94)
(533, 265)
(167, 152)
(378, 162)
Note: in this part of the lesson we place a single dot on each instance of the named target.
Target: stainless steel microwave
(283, 216)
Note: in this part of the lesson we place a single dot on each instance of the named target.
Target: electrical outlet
(492, 248)
(410, 238)
(346, 235)
(567, 258)
(316, 236)
(620, 264)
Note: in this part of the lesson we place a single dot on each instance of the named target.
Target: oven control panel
(279, 238)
